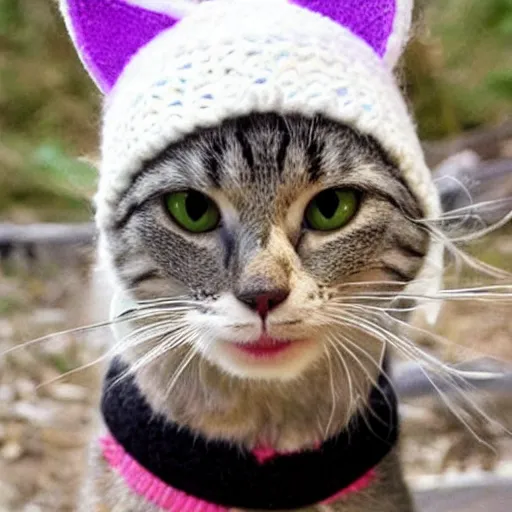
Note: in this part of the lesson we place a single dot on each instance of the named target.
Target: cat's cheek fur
(227, 322)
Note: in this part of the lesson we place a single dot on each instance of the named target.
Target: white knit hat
(169, 67)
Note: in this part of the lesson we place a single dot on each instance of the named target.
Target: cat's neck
(284, 416)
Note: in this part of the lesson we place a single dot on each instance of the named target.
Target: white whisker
(333, 393)
(183, 365)
(458, 212)
(378, 366)
(454, 377)
(352, 396)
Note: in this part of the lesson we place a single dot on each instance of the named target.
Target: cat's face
(264, 227)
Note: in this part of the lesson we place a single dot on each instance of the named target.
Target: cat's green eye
(332, 209)
(193, 211)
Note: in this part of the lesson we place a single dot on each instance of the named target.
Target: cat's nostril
(264, 301)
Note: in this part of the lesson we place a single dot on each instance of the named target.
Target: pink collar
(158, 493)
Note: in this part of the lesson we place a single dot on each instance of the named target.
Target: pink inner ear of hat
(371, 20)
(107, 33)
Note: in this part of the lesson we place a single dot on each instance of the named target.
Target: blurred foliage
(459, 67)
(458, 76)
(48, 117)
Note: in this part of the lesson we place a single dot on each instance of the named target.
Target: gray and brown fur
(262, 170)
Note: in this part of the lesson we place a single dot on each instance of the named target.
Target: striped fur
(261, 166)
(262, 171)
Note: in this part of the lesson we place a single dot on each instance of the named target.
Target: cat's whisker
(370, 378)
(407, 349)
(167, 342)
(348, 376)
(486, 230)
(74, 371)
(162, 301)
(371, 284)
(386, 335)
(125, 343)
(333, 393)
(67, 332)
(480, 289)
(343, 345)
(455, 378)
(112, 352)
(482, 293)
(457, 381)
(453, 409)
(464, 389)
(181, 368)
(154, 354)
(384, 313)
(463, 211)
(152, 330)
(383, 309)
(496, 291)
(376, 284)
(129, 316)
(142, 312)
(149, 310)
(175, 299)
(463, 257)
(467, 216)
(367, 407)
(502, 293)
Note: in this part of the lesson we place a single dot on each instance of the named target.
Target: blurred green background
(458, 74)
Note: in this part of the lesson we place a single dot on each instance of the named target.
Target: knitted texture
(371, 20)
(148, 486)
(160, 459)
(254, 56)
(167, 498)
(108, 33)
(130, 26)
(228, 58)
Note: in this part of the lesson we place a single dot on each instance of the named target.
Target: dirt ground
(45, 420)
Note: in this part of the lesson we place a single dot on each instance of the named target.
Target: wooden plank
(46, 234)
(489, 494)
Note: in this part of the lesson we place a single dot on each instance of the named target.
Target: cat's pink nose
(264, 301)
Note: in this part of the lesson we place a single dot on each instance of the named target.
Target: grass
(459, 66)
(457, 75)
(48, 117)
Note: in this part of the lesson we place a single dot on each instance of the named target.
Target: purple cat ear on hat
(383, 24)
(108, 33)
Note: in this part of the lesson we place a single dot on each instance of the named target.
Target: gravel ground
(45, 419)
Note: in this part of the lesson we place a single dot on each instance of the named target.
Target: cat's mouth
(266, 357)
(265, 347)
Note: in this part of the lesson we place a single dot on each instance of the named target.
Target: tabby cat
(261, 205)
(263, 227)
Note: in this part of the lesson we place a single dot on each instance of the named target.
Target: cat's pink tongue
(264, 347)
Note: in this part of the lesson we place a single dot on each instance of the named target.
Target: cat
(262, 210)
(263, 264)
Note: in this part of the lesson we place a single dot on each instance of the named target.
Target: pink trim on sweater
(148, 486)
(265, 453)
(359, 485)
(143, 483)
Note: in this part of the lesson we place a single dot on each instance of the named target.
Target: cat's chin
(279, 360)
